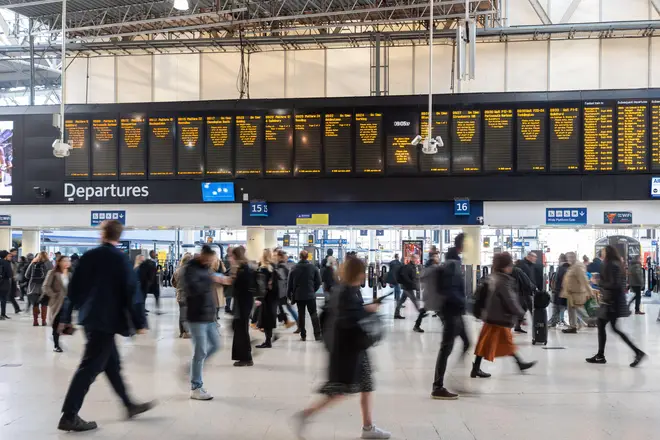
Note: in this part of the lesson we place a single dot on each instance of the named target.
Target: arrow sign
(98, 217)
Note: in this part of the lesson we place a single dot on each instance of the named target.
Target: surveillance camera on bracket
(61, 149)
(40, 192)
(416, 141)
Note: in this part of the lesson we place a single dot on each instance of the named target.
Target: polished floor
(563, 398)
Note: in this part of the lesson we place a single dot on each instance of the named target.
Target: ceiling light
(181, 5)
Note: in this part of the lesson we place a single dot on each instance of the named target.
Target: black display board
(308, 143)
(531, 136)
(466, 141)
(498, 140)
(368, 145)
(655, 135)
(598, 136)
(190, 146)
(249, 138)
(438, 162)
(161, 147)
(337, 143)
(564, 138)
(76, 134)
(219, 141)
(279, 145)
(104, 148)
(401, 155)
(632, 135)
(132, 147)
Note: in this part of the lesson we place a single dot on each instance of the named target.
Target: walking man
(304, 282)
(409, 280)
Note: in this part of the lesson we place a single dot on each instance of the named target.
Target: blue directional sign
(334, 241)
(566, 216)
(654, 242)
(99, 217)
(364, 232)
(5, 220)
(258, 209)
(461, 206)
(380, 232)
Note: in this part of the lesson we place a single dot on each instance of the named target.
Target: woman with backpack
(36, 275)
(268, 291)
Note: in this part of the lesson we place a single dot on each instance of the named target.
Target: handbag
(372, 331)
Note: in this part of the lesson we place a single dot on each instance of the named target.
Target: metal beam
(26, 4)
(32, 65)
(571, 10)
(540, 11)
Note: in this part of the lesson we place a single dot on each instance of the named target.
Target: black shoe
(58, 350)
(443, 394)
(243, 364)
(399, 317)
(265, 345)
(570, 331)
(638, 358)
(318, 338)
(598, 359)
(418, 329)
(476, 372)
(297, 332)
(526, 365)
(75, 424)
(303, 338)
(5, 317)
(2, 318)
(520, 330)
(140, 408)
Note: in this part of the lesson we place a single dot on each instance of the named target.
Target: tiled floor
(563, 398)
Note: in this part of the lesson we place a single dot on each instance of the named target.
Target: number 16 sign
(461, 206)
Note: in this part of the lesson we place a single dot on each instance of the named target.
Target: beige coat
(575, 287)
(56, 293)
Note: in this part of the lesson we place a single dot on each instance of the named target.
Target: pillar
(256, 243)
(188, 236)
(31, 242)
(270, 239)
(472, 252)
(5, 239)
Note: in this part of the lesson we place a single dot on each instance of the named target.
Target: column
(256, 243)
(5, 239)
(270, 239)
(472, 251)
(31, 242)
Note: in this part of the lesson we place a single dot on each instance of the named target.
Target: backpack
(282, 281)
(435, 285)
(38, 272)
(480, 297)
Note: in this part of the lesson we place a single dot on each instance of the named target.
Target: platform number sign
(258, 209)
(99, 217)
(461, 206)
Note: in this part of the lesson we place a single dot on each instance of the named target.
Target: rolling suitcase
(540, 335)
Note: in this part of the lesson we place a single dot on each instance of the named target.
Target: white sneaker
(375, 433)
(200, 394)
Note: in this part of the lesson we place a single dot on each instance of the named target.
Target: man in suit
(103, 289)
(148, 273)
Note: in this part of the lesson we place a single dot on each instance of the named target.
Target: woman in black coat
(243, 293)
(267, 278)
(613, 306)
(349, 371)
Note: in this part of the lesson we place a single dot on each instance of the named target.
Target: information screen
(498, 140)
(218, 145)
(76, 134)
(598, 136)
(368, 147)
(632, 144)
(401, 154)
(189, 146)
(279, 144)
(161, 147)
(249, 138)
(337, 143)
(104, 152)
(438, 162)
(132, 147)
(531, 139)
(655, 135)
(564, 151)
(308, 144)
(465, 138)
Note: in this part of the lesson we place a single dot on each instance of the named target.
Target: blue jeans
(397, 292)
(292, 311)
(206, 341)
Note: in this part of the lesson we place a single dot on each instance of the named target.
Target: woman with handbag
(55, 289)
(613, 306)
(349, 371)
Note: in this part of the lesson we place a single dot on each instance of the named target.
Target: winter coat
(576, 288)
(199, 291)
(54, 289)
(502, 306)
(244, 289)
(6, 276)
(408, 277)
(304, 281)
(393, 274)
(559, 281)
(533, 271)
(177, 283)
(455, 300)
(613, 298)
(270, 301)
(636, 275)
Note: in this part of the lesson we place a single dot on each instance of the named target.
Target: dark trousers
(413, 298)
(8, 296)
(56, 334)
(100, 356)
(183, 314)
(602, 335)
(453, 327)
(241, 349)
(637, 290)
(310, 305)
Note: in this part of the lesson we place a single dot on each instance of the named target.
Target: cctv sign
(74, 193)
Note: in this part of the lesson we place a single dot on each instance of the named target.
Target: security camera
(439, 141)
(416, 141)
(430, 146)
(61, 149)
(480, 220)
(40, 192)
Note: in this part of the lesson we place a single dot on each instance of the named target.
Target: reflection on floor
(562, 398)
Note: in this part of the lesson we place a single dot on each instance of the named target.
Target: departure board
(104, 148)
(161, 147)
(249, 137)
(279, 144)
(337, 143)
(218, 145)
(598, 136)
(308, 144)
(632, 144)
(400, 131)
(76, 134)
(655, 135)
(465, 141)
(438, 162)
(368, 147)
(531, 139)
(132, 147)
(564, 144)
(189, 146)
(498, 140)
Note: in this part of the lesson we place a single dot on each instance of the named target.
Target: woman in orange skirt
(501, 313)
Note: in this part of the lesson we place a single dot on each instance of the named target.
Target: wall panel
(489, 75)
(76, 80)
(527, 66)
(628, 74)
(219, 75)
(134, 78)
(401, 70)
(655, 62)
(176, 77)
(521, 12)
(574, 65)
(102, 80)
(305, 73)
(624, 10)
(348, 72)
(267, 75)
(586, 12)
(442, 59)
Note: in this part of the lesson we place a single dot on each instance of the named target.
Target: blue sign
(334, 241)
(655, 187)
(258, 209)
(99, 217)
(654, 242)
(462, 207)
(5, 220)
(566, 216)
(380, 233)
(364, 233)
(517, 244)
(218, 191)
(617, 218)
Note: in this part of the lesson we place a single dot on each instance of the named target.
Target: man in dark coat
(148, 274)
(103, 289)
(533, 270)
(304, 282)
(525, 288)
(393, 276)
(6, 280)
(409, 280)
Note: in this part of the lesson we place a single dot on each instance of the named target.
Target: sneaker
(374, 432)
(418, 329)
(443, 394)
(299, 422)
(598, 359)
(569, 331)
(264, 345)
(75, 424)
(640, 313)
(638, 358)
(519, 330)
(58, 350)
(200, 394)
(140, 408)
(399, 317)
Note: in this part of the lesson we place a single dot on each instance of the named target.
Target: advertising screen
(6, 158)
(218, 191)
